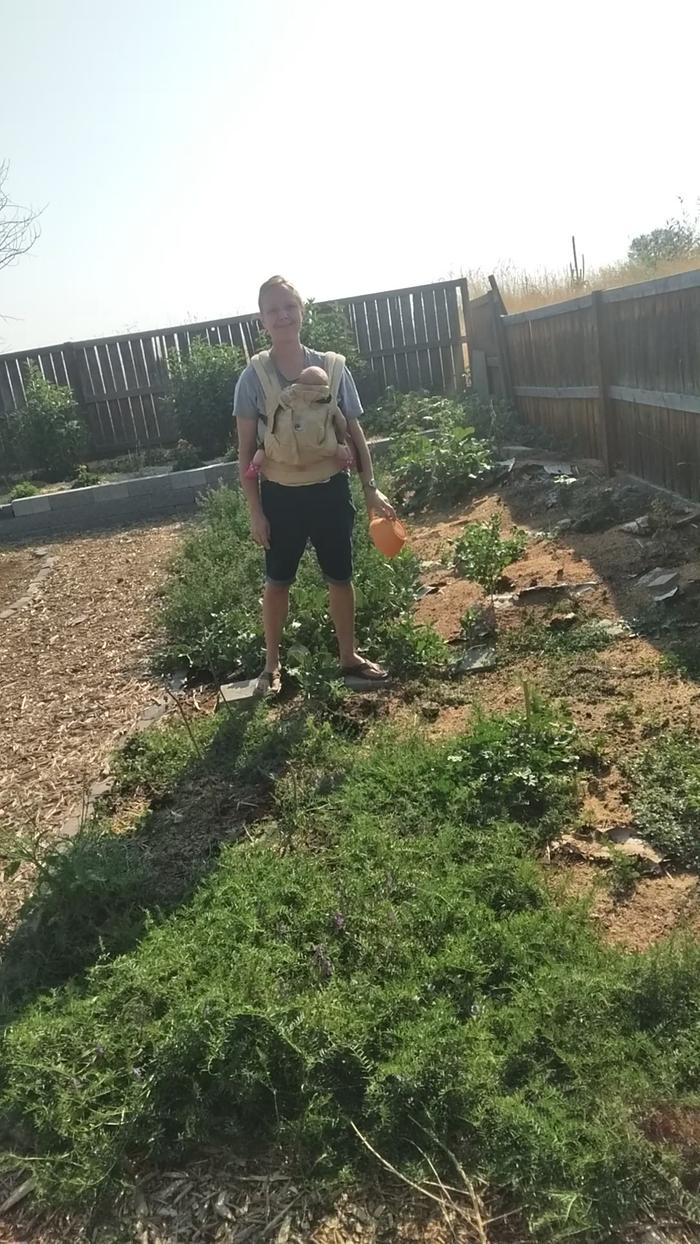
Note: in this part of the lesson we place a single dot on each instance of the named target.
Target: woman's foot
(360, 667)
(269, 684)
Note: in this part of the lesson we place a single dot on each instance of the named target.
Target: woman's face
(281, 315)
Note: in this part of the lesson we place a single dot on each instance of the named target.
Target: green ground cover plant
(385, 955)
(666, 803)
(535, 637)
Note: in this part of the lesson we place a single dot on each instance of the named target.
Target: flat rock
(638, 527)
(563, 621)
(40, 552)
(615, 628)
(543, 594)
(659, 579)
(477, 660)
(239, 694)
(353, 683)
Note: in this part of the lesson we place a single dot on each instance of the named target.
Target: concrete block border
(102, 505)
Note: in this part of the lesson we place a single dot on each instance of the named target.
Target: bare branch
(19, 227)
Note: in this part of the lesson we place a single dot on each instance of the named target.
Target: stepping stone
(239, 694)
(353, 683)
(478, 660)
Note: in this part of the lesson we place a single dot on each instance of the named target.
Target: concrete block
(153, 486)
(106, 493)
(195, 478)
(6, 511)
(73, 499)
(31, 505)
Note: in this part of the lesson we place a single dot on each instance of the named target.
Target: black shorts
(322, 514)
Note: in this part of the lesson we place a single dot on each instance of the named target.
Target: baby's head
(313, 375)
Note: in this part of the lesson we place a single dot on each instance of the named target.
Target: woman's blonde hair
(274, 282)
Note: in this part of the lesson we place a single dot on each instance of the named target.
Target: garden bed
(182, 800)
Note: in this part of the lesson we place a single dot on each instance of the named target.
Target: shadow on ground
(94, 896)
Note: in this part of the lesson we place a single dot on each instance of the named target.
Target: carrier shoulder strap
(267, 375)
(335, 366)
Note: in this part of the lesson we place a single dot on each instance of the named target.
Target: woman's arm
(375, 500)
(247, 445)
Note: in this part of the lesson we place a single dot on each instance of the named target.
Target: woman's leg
(341, 601)
(285, 515)
(275, 610)
(332, 516)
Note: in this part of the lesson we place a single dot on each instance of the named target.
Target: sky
(183, 152)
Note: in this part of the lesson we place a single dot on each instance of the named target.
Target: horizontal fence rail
(410, 338)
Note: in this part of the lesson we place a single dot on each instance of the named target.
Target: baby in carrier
(306, 427)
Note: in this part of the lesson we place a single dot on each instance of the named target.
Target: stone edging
(45, 569)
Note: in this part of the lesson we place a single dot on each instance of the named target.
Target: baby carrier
(298, 435)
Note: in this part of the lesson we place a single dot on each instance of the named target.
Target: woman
(283, 518)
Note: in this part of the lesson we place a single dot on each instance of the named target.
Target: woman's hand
(260, 529)
(377, 503)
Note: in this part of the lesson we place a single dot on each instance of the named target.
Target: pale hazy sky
(186, 149)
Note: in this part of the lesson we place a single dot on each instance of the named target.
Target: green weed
(622, 875)
(535, 638)
(481, 553)
(24, 488)
(666, 801)
(428, 472)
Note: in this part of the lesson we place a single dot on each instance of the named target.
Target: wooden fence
(615, 373)
(412, 338)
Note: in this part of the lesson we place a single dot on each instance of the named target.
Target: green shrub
(410, 974)
(24, 488)
(481, 553)
(440, 470)
(202, 384)
(85, 478)
(212, 612)
(52, 434)
(397, 413)
(666, 803)
(186, 457)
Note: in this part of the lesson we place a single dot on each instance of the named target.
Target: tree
(19, 228)
(679, 238)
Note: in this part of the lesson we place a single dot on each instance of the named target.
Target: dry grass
(522, 290)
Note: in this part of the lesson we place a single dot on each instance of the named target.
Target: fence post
(499, 309)
(604, 411)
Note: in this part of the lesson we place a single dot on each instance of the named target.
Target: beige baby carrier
(298, 435)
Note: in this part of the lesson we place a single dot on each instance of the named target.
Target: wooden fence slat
(387, 340)
(375, 342)
(409, 332)
(421, 331)
(399, 340)
(7, 397)
(448, 370)
(438, 381)
(456, 333)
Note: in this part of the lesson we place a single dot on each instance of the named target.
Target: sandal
(366, 670)
(269, 684)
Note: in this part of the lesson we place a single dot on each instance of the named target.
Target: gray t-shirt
(249, 399)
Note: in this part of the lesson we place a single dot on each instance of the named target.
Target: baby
(311, 387)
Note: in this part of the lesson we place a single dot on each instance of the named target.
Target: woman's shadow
(95, 895)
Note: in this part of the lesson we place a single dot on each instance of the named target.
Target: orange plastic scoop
(388, 535)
